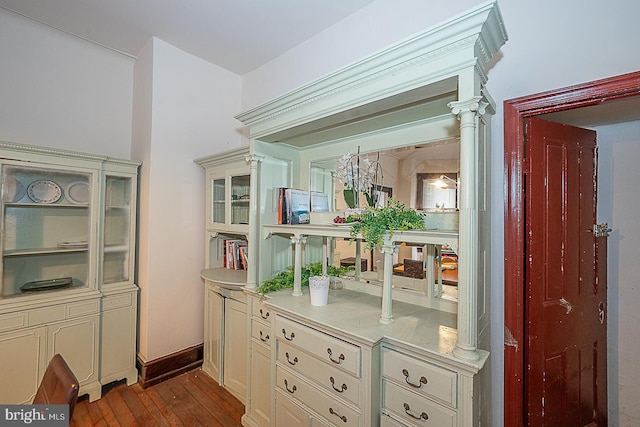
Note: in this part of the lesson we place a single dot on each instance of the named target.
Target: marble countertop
(356, 315)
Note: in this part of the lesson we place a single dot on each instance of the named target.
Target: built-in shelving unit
(425, 90)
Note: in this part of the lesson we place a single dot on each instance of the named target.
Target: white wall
(63, 92)
(192, 103)
(618, 205)
(551, 44)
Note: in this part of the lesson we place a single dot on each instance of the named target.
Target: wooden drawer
(261, 332)
(420, 376)
(83, 308)
(317, 400)
(260, 311)
(117, 301)
(12, 321)
(414, 408)
(325, 347)
(335, 381)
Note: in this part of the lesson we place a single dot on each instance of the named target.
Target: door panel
(565, 339)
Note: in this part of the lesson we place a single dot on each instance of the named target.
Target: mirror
(423, 177)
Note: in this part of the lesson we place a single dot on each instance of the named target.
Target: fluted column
(298, 241)
(254, 224)
(386, 315)
(468, 113)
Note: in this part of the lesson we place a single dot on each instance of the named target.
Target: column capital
(475, 105)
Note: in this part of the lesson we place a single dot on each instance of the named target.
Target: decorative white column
(254, 226)
(386, 315)
(297, 264)
(468, 113)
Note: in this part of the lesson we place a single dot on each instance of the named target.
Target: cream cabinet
(325, 375)
(30, 338)
(259, 393)
(425, 91)
(68, 236)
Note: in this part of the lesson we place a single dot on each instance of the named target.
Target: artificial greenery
(284, 279)
(375, 222)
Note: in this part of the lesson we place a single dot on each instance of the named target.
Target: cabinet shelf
(44, 205)
(434, 237)
(42, 251)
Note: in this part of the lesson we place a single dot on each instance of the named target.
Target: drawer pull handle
(336, 361)
(264, 316)
(342, 417)
(293, 389)
(288, 338)
(423, 380)
(333, 384)
(265, 338)
(422, 416)
(295, 359)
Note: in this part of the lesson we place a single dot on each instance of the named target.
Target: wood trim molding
(164, 368)
(515, 111)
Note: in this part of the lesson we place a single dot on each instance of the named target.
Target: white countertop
(356, 316)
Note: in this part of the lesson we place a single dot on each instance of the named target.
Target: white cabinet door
(23, 356)
(213, 323)
(260, 405)
(77, 341)
(235, 348)
(118, 339)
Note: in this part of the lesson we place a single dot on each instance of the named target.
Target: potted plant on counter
(374, 223)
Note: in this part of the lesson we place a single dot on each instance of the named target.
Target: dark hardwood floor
(190, 399)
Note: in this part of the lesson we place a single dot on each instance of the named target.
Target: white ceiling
(239, 35)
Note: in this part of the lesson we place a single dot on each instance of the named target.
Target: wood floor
(191, 399)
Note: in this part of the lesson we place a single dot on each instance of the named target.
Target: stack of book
(236, 254)
(293, 206)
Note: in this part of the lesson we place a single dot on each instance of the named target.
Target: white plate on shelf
(78, 193)
(14, 190)
(44, 191)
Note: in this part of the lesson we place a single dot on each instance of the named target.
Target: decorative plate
(78, 193)
(14, 190)
(44, 191)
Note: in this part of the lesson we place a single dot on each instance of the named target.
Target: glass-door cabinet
(46, 228)
(228, 191)
(119, 224)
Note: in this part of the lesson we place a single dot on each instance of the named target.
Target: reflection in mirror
(423, 177)
(437, 191)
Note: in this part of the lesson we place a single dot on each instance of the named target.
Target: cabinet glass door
(240, 185)
(219, 205)
(45, 229)
(117, 230)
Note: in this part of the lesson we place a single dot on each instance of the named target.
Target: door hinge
(601, 230)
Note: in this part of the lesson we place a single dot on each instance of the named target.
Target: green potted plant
(284, 279)
(374, 223)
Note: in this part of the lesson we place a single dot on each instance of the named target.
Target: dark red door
(565, 304)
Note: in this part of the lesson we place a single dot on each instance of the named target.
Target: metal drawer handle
(342, 417)
(265, 339)
(423, 380)
(293, 389)
(422, 416)
(295, 359)
(288, 338)
(264, 316)
(336, 361)
(333, 384)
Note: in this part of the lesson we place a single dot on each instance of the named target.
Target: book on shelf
(319, 201)
(298, 206)
(233, 249)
